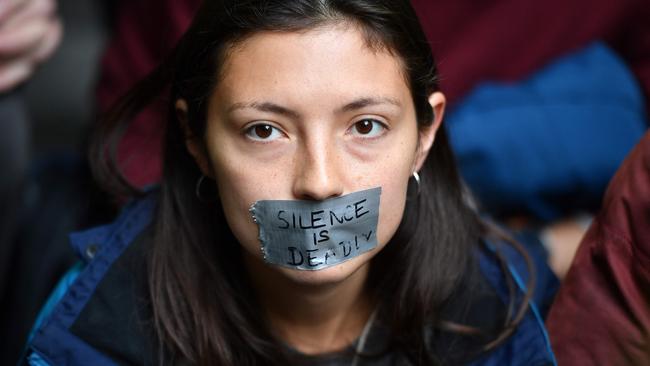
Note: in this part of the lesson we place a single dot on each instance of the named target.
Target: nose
(318, 171)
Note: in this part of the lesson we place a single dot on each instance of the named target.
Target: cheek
(393, 177)
(391, 209)
(239, 187)
(238, 218)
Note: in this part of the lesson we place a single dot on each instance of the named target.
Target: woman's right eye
(263, 132)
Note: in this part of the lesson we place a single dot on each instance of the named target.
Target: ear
(428, 135)
(193, 143)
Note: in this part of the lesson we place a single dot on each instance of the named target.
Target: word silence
(313, 235)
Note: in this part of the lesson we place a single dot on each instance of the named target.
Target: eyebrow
(280, 110)
(265, 107)
(367, 102)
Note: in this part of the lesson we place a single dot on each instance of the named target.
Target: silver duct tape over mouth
(313, 235)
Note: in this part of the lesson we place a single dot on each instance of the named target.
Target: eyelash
(375, 123)
(276, 133)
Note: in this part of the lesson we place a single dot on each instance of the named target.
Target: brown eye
(364, 127)
(263, 132)
(368, 128)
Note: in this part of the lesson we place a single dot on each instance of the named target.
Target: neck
(312, 318)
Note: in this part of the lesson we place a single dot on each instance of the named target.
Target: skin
(562, 241)
(307, 86)
(30, 32)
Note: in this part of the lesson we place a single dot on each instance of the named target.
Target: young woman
(310, 210)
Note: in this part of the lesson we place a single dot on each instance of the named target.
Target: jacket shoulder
(100, 314)
(501, 263)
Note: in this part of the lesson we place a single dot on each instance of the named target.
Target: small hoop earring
(416, 176)
(197, 190)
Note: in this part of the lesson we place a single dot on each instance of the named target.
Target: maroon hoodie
(601, 315)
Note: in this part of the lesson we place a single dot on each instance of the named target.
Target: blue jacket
(77, 325)
(548, 145)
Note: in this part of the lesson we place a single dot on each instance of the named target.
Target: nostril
(317, 188)
(317, 194)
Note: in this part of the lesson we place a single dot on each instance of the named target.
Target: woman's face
(310, 116)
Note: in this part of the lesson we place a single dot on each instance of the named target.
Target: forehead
(331, 61)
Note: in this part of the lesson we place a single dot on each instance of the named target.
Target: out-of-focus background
(44, 125)
(546, 99)
(60, 97)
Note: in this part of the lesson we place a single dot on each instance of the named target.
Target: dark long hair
(203, 307)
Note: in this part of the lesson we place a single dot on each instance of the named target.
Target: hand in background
(561, 239)
(30, 31)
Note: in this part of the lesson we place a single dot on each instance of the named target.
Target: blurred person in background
(30, 31)
(602, 313)
(547, 98)
(46, 189)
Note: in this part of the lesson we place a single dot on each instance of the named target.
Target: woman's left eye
(368, 128)
(263, 132)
